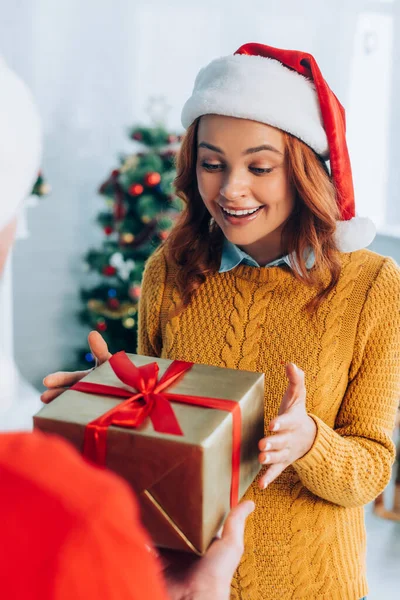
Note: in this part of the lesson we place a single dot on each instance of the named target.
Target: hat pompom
(354, 234)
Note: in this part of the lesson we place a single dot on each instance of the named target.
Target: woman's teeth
(240, 212)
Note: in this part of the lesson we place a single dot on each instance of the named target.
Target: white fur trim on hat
(260, 89)
(354, 234)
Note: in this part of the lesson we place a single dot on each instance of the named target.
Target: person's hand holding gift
(58, 382)
(296, 429)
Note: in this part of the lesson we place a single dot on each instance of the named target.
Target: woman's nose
(234, 187)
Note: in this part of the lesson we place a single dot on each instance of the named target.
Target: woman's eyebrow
(248, 151)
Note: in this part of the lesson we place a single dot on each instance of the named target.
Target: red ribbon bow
(151, 401)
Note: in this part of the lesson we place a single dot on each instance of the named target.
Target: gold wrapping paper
(182, 482)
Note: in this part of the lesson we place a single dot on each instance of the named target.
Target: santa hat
(285, 89)
(21, 143)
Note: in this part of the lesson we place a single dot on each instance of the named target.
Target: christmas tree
(141, 208)
(41, 187)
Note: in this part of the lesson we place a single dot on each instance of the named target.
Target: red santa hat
(21, 143)
(285, 89)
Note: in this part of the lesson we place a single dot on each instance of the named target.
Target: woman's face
(241, 166)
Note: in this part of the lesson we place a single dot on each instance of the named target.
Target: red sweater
(68, 530)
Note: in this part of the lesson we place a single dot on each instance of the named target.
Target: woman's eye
(210, 166)
(260, 171)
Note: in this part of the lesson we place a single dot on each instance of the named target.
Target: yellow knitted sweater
(306, 537)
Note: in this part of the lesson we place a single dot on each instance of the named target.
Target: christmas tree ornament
(152, 179)
(109, 270)
(123, 267)
(136, 189)
(127, 238)
(44, 189)
(130, 163)
(89, 357)
(134, 291)
(113, 303)
(102, 309)
(128, 323)
(108, 230)
(268, 79)
(119, 205)
(101, 325)
(138, 136)
(112, 293)
(115, 173)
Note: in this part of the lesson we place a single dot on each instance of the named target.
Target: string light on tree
(127, 238)
(128, 323)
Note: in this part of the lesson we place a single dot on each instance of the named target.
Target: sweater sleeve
(150, 303)
(350, 464)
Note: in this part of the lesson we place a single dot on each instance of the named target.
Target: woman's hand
(60, 381)
(297, 431)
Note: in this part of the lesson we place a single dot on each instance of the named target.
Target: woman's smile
(242, 216)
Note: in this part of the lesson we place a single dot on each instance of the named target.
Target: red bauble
(109, 270)
(108, 230)
(101, 325)
(115, 173)
(137, 136)
(113, 303)
(136, 189)
(152, 179)
(163, 235)
(134, 292)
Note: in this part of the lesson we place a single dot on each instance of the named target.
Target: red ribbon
(151, 401)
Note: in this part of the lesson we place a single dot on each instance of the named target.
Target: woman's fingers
(64, 378)
(49, 395)
(274, 442)
(285, 422)
(98, 347)
(273, 472)
(280, 456)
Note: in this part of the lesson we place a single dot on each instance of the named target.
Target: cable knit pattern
(306, 537)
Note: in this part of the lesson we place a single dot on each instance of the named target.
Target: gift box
(183, 435)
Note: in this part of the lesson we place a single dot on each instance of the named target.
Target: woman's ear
(7, 236)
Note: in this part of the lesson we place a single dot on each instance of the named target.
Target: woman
(266, 267)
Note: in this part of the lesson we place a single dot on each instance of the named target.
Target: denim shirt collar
(232, 256)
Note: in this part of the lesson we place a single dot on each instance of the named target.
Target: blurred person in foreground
(71, 530)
